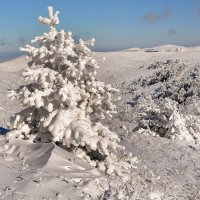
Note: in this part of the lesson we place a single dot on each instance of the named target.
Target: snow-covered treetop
(52, 20)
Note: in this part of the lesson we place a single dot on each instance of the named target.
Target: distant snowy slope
(164, 48)
(134, 50)
(167, 48)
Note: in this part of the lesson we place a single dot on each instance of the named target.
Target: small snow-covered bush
(172, 79)
(164, 74)
(159, 64)
(163, 118)
(166, 71)
(62, 97)
(182, 89)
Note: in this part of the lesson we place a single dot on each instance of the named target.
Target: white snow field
(166, 169)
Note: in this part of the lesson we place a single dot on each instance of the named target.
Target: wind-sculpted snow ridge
(171, 108)
(39, 167)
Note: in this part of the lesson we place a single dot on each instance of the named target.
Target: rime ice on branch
(63, 95)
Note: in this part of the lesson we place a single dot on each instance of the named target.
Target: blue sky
(115, 24)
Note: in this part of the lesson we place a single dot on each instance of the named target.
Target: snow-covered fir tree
(62, 96)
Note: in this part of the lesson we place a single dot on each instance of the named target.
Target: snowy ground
(35, 171)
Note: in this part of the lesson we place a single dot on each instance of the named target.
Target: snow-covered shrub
(164, 74)
(63, 96)
(166, 71)
(182, 89)
(164, 118)
(138, 186)
(160, 64)
(167, 102)
(172, 79)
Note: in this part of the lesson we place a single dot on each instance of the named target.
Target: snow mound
(46, 157)
(134, 50)
(42, 171)
(45, 171)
